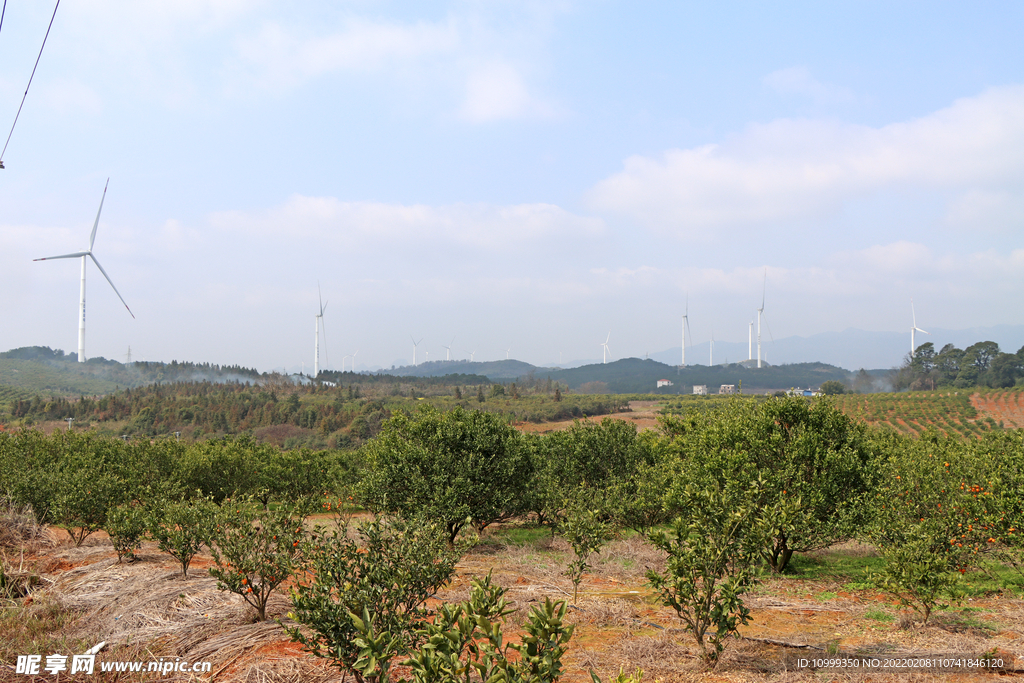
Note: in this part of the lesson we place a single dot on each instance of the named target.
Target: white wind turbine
(414, 345)
(686, 327)
(507, 351)
(448, 353)
(760, 315)
(604, 347)
(354, 360)
(316, 345)
(83, 254)
(913, 329)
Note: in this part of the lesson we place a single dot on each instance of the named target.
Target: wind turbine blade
(96, 223)
(913, 314)
(769, 327)
(75, 255)
(111, 283)
(920, 330)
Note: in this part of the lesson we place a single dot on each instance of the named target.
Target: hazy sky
(533, 175)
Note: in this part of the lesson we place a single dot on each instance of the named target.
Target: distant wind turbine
(414, 345)
(913, 329)
(84, 254)
(316, 345)
(760, 315)
(686, 327)
(448, 353)
(507, 351)
(604, 347)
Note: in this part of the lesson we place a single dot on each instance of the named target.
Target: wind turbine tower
(760, 314)
(448, 353)
(83, 255)
(316, 343)
(605, 349)
(686, 328)
(913, 329)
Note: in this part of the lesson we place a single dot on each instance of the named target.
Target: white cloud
(497, 91)
(279, 57)
(797, 80)
(987, 210)
(793, 169)
(326, 220)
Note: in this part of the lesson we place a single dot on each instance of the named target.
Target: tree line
(979, 365)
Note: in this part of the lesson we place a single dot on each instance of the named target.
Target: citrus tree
(364, 600)
(806, 453)
(255, 549)
(459, 467)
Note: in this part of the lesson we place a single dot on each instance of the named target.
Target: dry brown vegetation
(146, 610)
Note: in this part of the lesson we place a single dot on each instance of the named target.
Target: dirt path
(644, 414)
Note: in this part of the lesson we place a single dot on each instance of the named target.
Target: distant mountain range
(636, 375)
(851, 349)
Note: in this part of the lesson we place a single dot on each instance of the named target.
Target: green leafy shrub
(255, 550)
(126, 525)
(365, 600)
(182, 528)
(464, 642)
(457, 467)
(711, 563)
(586, 530)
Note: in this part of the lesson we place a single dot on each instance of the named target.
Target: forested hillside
(289, 415)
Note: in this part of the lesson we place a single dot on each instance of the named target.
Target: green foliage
(935, 516)
(918, 577)
(465, 642)
(589, 455)
(126, 525)
(808, 454)
(182, 528)
(364, 601)
(586, 530)
(255, 549)
(832, 388)
(456, 467)
(711, 562)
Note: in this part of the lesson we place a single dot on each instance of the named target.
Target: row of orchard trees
(74, 480)
(726, 493)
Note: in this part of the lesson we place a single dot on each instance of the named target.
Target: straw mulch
(149, 609)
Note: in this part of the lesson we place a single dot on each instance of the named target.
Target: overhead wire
(29, 78)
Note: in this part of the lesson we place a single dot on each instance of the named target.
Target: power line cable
(29, 79)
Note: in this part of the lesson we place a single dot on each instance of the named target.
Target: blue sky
(534, 175)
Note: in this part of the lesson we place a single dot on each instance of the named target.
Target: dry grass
(146, 610)
(19, 528)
